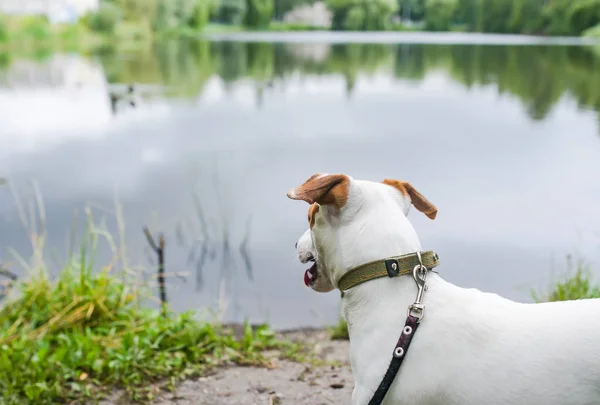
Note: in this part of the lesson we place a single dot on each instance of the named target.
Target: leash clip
(417, 309)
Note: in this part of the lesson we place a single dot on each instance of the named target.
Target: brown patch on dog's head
(312, 212)
(323, 189)
(417, 199)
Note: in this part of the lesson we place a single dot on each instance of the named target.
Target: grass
(340, 330)
(219, 28)
(75, 337)
(283, 26)
(592, 32)
(576, 285)
(85, 333)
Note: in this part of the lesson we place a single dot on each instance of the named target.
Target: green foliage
(355, 18)
(412, 9)
(259, 13)
(34, 28)
(339, 331)
(583, 14)
(105, 19)
(439, 13)
(364, 15)
(4, 59)
(202, 12)
(592, 32)
(554, 17)
(573, 287)
(144, 11)
(85, 333)
(173, 14)
(3, 30)
(232, 11)
(179, 15)
(281, 26)
(70, 33)
(182, 17)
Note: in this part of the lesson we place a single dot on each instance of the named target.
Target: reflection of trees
(538, 75)
(353, 59)
(183, 66)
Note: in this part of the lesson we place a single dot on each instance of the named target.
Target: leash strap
(410, 327)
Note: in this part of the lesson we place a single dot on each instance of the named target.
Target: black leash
(410, 327)
(415, 314)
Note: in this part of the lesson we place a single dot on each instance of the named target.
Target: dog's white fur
(472, 347)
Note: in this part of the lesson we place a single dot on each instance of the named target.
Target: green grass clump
(340, 330)
(85, 334)
(573, 287)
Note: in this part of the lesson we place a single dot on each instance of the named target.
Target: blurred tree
(412, 9)
(137, 10)
(3, 29)
(362, 14)
(259, 13)
(439, 14)
(232, 11)
(173, 14)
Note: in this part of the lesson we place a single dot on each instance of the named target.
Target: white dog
(472, 347)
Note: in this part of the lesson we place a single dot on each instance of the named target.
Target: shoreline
(285, 383)
(397, 37)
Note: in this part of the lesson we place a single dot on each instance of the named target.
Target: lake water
(502, 136)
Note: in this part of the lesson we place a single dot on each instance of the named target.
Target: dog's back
(484, 349)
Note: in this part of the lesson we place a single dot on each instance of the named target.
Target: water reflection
(220, 130)
(538, 75)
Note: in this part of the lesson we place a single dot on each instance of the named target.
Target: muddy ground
(287, 383)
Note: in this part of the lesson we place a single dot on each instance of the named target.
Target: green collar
(390, 267)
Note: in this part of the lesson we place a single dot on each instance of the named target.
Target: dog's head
(352, 222)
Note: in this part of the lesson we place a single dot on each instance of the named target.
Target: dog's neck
(382, 293)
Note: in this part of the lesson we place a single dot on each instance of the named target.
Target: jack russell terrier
(471, 347)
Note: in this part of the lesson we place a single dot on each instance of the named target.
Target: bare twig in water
(6, 273)
(5, 286)
(200, 265)
(244, 250)
(160, 253)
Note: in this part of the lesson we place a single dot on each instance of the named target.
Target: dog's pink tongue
(310, 274)
(307, 278)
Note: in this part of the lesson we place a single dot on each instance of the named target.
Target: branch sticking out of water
(160, 253)
(6, 273)
(5, 286)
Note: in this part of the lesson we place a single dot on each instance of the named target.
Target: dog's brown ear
(417, 199)
(323, 189)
